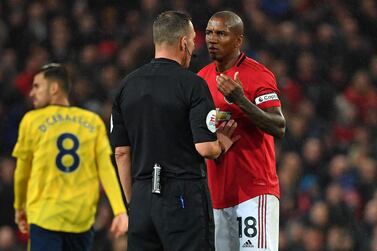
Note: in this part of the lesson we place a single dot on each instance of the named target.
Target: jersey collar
(238, 62)
(240, 59)
(164, 60)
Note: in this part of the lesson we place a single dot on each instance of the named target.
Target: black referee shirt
(160, 112)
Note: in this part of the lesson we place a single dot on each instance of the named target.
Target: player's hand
(21, 221)
(119, 226)
(225, 134)
(230, 88)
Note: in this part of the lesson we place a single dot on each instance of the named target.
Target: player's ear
(239, 41)
(54, 87)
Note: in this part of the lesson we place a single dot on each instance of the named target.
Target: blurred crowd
(322, 52)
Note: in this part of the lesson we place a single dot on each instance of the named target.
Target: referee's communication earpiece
(193, 55)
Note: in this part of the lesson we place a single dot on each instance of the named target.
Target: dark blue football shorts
(42, 239)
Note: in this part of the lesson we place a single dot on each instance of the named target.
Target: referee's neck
(171, 52)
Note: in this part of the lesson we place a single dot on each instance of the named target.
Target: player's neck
(61, 101)
(227, 62)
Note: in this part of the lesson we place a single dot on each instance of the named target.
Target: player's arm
(110, 182)
(23, 153)
(21, 179)
(123, 161)
(111, 186)
(270, 120)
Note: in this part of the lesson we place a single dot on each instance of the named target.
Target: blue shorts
(42, 239)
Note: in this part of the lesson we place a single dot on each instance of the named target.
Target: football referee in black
(162, 128)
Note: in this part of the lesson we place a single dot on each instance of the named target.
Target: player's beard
(215, 57)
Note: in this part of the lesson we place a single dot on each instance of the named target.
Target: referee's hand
(119, 226)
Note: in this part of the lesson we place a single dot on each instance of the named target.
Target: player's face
(221, 41)
(40, 93)
(190, 46)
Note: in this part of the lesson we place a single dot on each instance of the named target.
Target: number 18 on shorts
(252, 225)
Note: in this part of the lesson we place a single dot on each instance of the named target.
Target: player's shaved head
(231, 20)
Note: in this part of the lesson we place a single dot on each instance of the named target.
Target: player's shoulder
(37, 113)
(30, 116)
(83, 112)
(34, 116)
(255, 67)
(32, 113)
(209, 68)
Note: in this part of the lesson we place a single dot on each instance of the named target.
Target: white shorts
(252, 225)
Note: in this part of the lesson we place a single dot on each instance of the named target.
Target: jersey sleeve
(202, 107)
(24, 145)
(267, 93)
(118, 131)
(23, 152)
(21, 178)
(106, 170)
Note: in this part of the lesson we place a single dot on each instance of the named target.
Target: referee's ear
(183, 43)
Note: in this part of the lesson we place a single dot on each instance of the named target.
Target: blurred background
(322, 52)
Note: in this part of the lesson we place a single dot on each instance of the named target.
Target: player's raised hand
(230, 88)
(225, 134)
(119, 226)
(21, 221)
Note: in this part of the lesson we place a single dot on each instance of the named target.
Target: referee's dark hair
(57, 72)
(169, 26)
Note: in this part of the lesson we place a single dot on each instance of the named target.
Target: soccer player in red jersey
(243, 182)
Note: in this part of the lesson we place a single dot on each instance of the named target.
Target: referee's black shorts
(181, 218)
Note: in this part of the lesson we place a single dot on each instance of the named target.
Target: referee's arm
(123, 161)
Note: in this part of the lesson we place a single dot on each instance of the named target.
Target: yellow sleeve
(106, 171)
(23, 152)
(21, 178)
(24, 146)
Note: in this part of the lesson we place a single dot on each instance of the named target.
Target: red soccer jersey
(248, 169)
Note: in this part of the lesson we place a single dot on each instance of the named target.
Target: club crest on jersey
(211, 120)
(266, 97)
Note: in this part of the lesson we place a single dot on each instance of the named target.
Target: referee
(162, 128)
